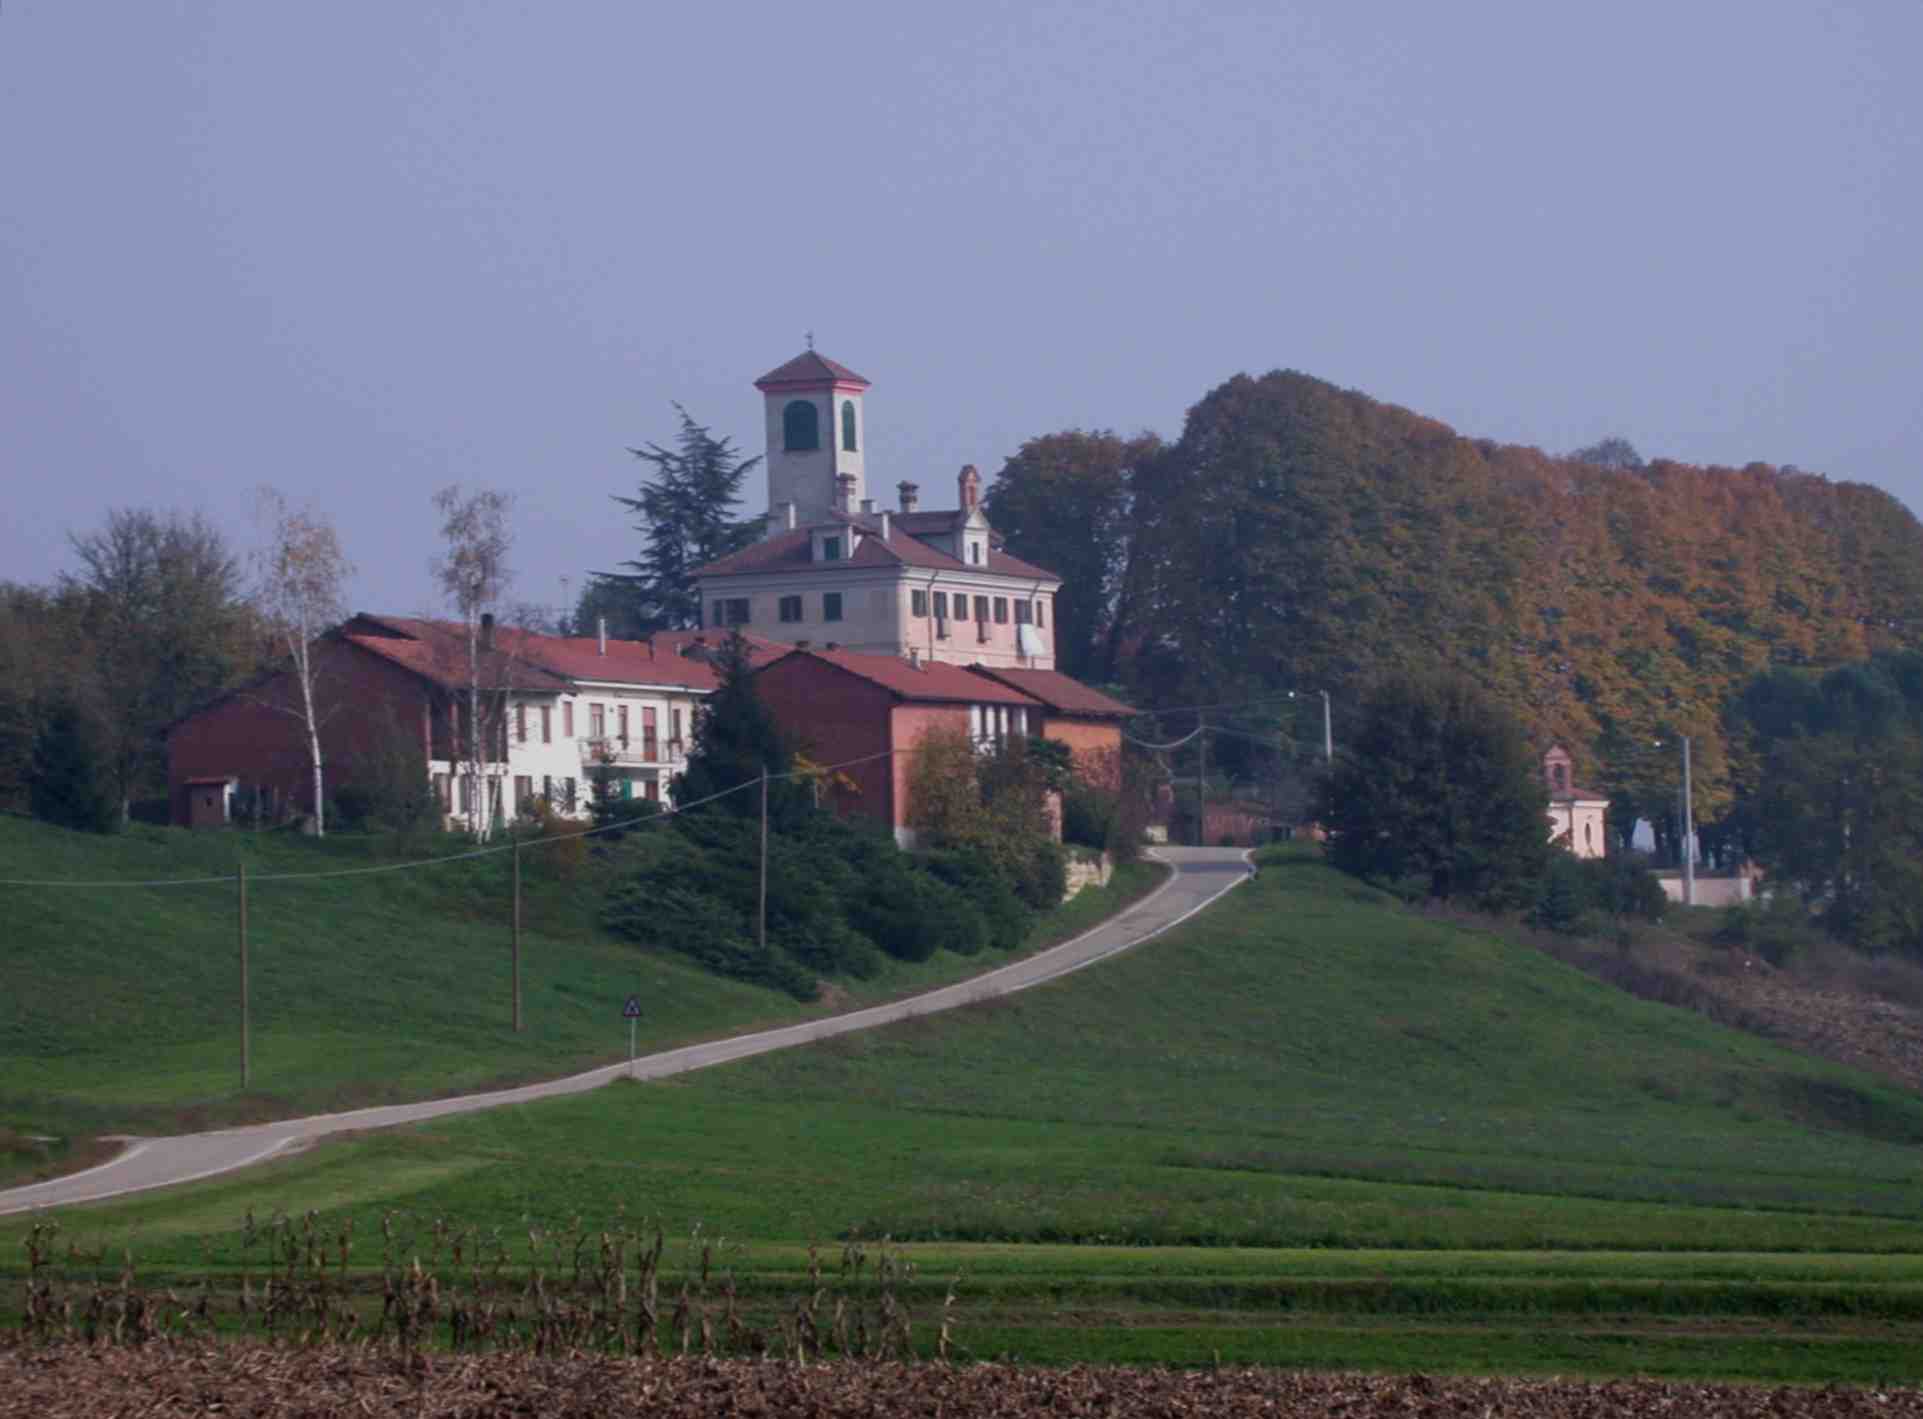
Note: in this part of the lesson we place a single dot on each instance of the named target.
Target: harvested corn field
(76, 1382)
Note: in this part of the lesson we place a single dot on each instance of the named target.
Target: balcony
(633, 753)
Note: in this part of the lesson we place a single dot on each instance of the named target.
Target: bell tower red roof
(809, 368)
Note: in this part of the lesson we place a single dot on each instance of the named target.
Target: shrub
(704, 929)
(1778, 928)
(1091, 816)
(980, 881)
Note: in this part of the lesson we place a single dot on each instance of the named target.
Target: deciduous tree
(1067, 502)
(300, 573)
(472, 572)
(168, 629)
(1438, 791)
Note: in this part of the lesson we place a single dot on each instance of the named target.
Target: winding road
(1201, 875)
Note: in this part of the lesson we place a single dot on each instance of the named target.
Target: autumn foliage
(1298, 534)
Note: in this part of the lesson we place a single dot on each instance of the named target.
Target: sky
(362, 250)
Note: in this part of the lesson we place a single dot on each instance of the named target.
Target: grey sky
(363, 249)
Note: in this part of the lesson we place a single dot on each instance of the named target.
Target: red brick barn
(376, 677)
(1087, 721)
(837, 706)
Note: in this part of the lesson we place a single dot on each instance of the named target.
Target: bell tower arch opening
(814, 416)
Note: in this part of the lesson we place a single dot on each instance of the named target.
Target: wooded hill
(1304, 536)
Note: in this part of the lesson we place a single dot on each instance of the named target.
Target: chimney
(601, 634)
(868, 506)
(914, 657)
(803, 644)
(884, 525)
(833, 645)
(487, 630)
(844, 492)
(910, 495)
(969, 482)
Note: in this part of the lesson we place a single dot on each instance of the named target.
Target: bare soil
(78, 1382)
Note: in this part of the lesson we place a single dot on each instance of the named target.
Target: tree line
(1301, 536)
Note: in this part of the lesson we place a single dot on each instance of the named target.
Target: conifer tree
(68, 781)
(685, 515)
(735, 739)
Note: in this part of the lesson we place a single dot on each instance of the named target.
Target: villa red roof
(929, 680)
(1062, 693)
(793, 552)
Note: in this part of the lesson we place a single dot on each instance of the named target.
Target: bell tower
(816, 433)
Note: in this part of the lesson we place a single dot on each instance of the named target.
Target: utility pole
(1202, 782)
(761, 931)
(1689, 833)
(246, 1043)
(1328, 736)
(517, 939)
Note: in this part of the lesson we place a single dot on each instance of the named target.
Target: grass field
(1308, 1127)
(120, 1011)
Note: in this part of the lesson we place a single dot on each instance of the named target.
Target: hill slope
(121, 1003)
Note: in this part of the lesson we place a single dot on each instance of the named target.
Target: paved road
(1201, 875)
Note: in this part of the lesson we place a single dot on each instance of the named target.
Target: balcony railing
(634, 753)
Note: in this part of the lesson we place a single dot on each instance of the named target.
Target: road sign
(632, 1010)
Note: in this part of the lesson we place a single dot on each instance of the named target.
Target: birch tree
(472, 573)
(299, 574)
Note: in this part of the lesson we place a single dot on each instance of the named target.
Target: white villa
(835, 572)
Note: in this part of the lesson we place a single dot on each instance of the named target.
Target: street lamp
(1328, 739)
(1689, 830)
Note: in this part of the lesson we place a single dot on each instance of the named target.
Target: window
(1021, 613)
(941, 606)
(597, 722)
(547, 724)
(650, 745)
(523, 792)
(831, 606)
(732, 612)
(918, 603)
(444, 791)
(848, 424)
(547, 787)
(1001, 610)
(568, 794)
(1040, 607)
(981, 608)
(677, 727)
(800, 426)
(621, 718)
(791, 608)
(567, 720)
(520, 724)
(831, 549)
(651, 791)
(975, 553)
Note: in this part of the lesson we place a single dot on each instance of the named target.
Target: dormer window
(800, 426)
(831, 549)
(848, 424)
(975, 552)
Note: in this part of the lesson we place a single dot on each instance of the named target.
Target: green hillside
(1307, 1127)
(121, 1004)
